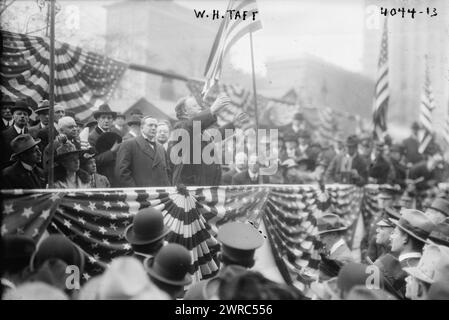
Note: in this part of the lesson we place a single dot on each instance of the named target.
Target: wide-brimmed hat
(426, 268)
(106, 140)
(43, 107)
(66, 148)
(440, 234)
(239, 241)
(330, 222)
(171, 265)
(441, 205)
(147, 227)
(415, 223)
(22, 105)
(134, 120)
(104, 109)
(6, 101)
(22, 143)
(57, 247)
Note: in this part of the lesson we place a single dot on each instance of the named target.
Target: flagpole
(51, 126)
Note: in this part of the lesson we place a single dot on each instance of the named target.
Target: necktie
(152, 144)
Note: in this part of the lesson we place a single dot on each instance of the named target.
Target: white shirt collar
(409, 255)
(146, 138)
(337, 245)
(133, 134)
(27, 166)
(8, 123)
(253, 176)
(18, 130)
(43, 126)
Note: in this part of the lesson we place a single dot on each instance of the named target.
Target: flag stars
(113, 216)
(92, 260)
(92, 206)
(113, 226)
(106, 242)
(77, 207)
(86, 276)
(27, 212)
(45, 214)
(4, 230)
(54, 197)
(102, 230)
(7, 209)
(81, 220)
(127, 246)
(86, 234)
(121, 204)
(67, 223)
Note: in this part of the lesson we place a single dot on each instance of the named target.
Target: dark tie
(34, 178)
(152, 144)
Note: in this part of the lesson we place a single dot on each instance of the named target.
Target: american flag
(425, 113)
(381, 95)
(96, 220)
(83, 80)
(327, 125)
(446, 126)
(229, 32)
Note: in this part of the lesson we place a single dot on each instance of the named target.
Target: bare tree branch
(6, 6)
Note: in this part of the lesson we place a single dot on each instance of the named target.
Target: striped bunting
(425, 113)
(83, 80)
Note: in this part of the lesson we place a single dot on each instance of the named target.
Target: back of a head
(351, 275)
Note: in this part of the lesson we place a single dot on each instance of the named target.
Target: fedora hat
(134, 119)
(104, 109)
(64, 149)
(440, 234)
(22, 105)
(239, 241)
(43, 107)
(22, 143)
(441, 205)
(147, 227)
(330, 222)
(171, 265)
(6, 101)
(415, 223)
(433, 265)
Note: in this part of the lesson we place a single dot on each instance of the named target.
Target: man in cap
(239, 242)
(432, 267)
(409, 236)
(170, 269)
(21, 113)
(438, 211)
(240, 165)
(42, 113)
(142, 162)
(348, 167)
(120, 125)
(411, 145)
(134, 128)
(24, 173)
(5, 113)
(331, 230)
(146, 234)
(16, 254)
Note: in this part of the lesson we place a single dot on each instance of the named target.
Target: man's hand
(115, 147)
(220, 103)
(240, 119)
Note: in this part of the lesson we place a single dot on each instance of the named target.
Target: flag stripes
(425, 116)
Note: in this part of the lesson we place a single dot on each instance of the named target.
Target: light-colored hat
(433, 265)
(415, 223)
(330, 223)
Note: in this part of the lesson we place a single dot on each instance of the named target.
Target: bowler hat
(17, 251)
(352, 140)
(440, 234)
(104, 109)
(57, 247)
(426, 269)
(134, 120)
(22, 143)
(6, 101)
(441, 205)
(330, 222)
(64, 149)
(22, 105)
(147, 227)
(171, 265)
(106, 140)
(415, 223)
(43, 107)
(239, 241)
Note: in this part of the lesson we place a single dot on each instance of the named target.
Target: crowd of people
(405, 252)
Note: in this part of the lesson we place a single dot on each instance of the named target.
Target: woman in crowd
(88, 164)
(68, 174)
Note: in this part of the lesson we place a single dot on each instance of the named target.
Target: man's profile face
(397, 239)
(383, 235)
(32, 156)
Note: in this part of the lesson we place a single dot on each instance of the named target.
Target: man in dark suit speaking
(142, 161)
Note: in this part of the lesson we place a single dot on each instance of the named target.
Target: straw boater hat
(22, 143)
